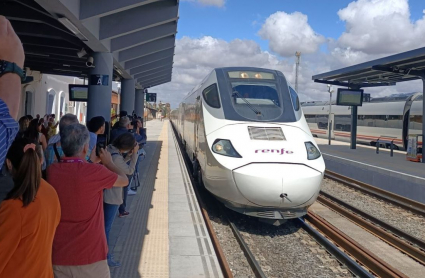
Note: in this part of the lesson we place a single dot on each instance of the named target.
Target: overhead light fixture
(71, 27)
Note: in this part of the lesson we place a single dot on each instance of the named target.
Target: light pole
(330, 90)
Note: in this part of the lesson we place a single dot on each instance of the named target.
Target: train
(250, 145)
(391, 118)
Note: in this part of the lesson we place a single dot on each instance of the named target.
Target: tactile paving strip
(145, 251)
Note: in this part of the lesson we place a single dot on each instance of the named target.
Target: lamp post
(330, 90)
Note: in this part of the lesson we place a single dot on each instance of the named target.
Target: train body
(250, 145)
(388, 119)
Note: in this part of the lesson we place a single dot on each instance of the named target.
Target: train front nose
(278, 185)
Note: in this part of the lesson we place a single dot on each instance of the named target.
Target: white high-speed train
(250, 144)
(387, 118)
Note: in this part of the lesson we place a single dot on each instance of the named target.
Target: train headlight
(225, 147)
(312, 151)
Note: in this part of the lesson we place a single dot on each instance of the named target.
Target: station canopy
(59, 35)
(386, 71)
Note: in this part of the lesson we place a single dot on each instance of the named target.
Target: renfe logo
(281, 151)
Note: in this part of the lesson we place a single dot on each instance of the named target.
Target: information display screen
(347, 97)
(78, 92)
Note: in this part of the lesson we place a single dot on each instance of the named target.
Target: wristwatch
(6, 67)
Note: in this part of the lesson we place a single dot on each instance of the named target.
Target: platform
(394, 174)
(165, 234)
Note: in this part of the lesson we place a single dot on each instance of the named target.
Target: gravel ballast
(284, 251)
(393, 215)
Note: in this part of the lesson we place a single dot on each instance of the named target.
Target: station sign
(151, 97)
(99, 80)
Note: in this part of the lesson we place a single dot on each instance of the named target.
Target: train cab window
(210, 95)
(295, 99)
(256, 100)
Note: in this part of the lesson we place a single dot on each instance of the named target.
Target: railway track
(408, 204)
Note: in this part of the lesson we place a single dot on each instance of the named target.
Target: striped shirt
(8, 130)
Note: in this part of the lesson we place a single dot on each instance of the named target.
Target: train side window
(210, 95)
(342, 123)
(295, 99)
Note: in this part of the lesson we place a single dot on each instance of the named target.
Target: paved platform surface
(394, 174)
(165, 234)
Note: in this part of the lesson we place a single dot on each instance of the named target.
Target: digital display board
(78, 92)
(348, 97)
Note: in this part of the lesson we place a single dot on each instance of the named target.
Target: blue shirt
(8, 130)
(92, 142)
(50, 155)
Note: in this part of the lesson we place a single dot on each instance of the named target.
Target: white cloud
(217, 3)
(196, 57)
(374, 28)
(288, 33)
(380, 27)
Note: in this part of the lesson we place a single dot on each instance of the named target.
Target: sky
(330, 34)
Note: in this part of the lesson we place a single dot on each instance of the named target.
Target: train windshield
(256, 100)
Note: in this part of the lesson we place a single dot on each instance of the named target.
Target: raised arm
(106, 159)
(10, 86)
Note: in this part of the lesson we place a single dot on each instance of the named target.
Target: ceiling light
(71, 27)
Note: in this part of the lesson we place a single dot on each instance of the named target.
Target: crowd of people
(68, 185)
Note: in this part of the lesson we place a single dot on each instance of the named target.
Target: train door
(331, 125)
(196, 125)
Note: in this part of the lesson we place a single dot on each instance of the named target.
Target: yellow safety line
(155, 251)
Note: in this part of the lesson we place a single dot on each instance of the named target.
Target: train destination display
(347, 97)
(78, 92)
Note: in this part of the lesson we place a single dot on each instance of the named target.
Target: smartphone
(101, 143)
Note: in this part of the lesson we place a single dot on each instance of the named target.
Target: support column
(423, 114)
(100, 86)
(353, 142)
(139, 102)
(127, 95)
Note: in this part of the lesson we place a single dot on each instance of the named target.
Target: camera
(101, 143)
(90, 62)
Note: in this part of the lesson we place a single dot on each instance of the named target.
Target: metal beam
(360, 85)
(144, 80)
(50, 51)
(152, 72)
(146, 49)
(154, 79)
(157, 83)
(151, 66)
(165, 56)
(39, 29)
(136, 19)
(143, 36)
(400, 58)
(100, 8)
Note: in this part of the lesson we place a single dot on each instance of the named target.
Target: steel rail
(392, 240)
(364, 256)
(384, 225)
(343, 258)
(413, 206)
(227, 273)
(255, 266)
